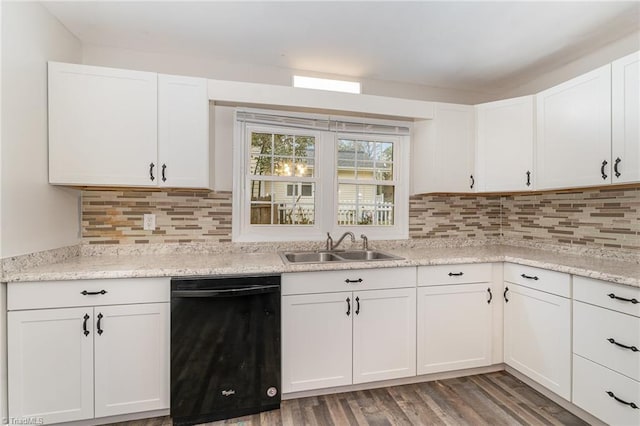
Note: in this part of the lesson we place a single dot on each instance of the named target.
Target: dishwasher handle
(231, 292)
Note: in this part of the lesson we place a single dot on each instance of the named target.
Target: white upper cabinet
(183, 131)
(574, 132)
(102, 125)
(114, 127)
(443, 151)
(505, 134)
(625, 153)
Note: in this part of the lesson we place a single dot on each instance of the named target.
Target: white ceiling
(481, 46)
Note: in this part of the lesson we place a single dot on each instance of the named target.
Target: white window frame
(326, 187)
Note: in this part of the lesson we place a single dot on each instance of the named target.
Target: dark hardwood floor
(487, 399)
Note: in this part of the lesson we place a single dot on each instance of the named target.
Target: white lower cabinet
(384, 334)
(131, 358)
(454, 327)
(78, 363)
(316, 341)
(537, 336)
(50, 364)
(610, 396)
(362, 334)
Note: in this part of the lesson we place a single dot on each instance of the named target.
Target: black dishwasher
(225, 347)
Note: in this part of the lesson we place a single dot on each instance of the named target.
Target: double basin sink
(336, 256)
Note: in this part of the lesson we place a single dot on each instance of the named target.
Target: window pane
(365, 204)
(261, 143)
(282, 203)
(260, 165)
(346, 159)
(305, 146)
(283, 145)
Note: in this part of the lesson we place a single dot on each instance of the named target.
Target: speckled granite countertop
(173, 265)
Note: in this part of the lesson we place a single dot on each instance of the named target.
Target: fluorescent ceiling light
(326, 84)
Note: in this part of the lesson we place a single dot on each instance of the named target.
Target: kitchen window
(301, 176)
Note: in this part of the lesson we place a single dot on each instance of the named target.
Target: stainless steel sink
(310, 257)
(366, 255)
(336, 256)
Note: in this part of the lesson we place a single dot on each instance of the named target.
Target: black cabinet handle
(529, 277)
(84, 324)
(151, 176)
(613, 296)
(164, 168)
(631, 348)
(357, 305)
(348, 281)
(528, 178)
(490, 295)
(456, 274)
(92, 293)
(630, 404)
(506, 299)
(473, 182)
(604, 175)
(100, 330)
(348, 306)
(615, 167)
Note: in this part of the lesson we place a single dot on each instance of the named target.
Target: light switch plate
(149, 222)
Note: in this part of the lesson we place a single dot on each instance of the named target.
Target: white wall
(34, 215)
(224, 70)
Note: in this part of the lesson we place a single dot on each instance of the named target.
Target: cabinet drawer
(57, 294)
(592, 329)
(607, 295)
(591, 382)
(540, 279)
(347, 280)
(454, 274)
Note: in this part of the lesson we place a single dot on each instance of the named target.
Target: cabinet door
(443, 151)
(183, 131)
(131, 358)
(384, 334)
(505, 145)
(454, 327)
(537, 337)
(316, 341)
(574, 132)
(625, 79)
(50, 360)
(102, 126)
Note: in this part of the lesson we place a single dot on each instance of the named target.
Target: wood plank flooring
(487, 399)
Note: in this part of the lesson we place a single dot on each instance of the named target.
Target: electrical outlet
(149, 222)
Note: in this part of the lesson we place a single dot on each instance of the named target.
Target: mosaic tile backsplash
(591, 218)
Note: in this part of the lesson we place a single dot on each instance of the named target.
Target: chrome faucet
(365, 242)
(331, 246)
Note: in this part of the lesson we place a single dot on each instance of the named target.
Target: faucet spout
(334, 246)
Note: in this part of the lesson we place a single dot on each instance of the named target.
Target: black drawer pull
(529, 277)
(348, 306)
(348, 281)
(490, 295)
(615, 167)
(630, 404)
(92, 293)
(357, 306)
(456, 274)
(151, 176)
(631, 348)
(164, 169)
(473, 182)
(528, 178)
(613, 296)
(604, 175)
(84, 324)
(100, 330)
(506, 299)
